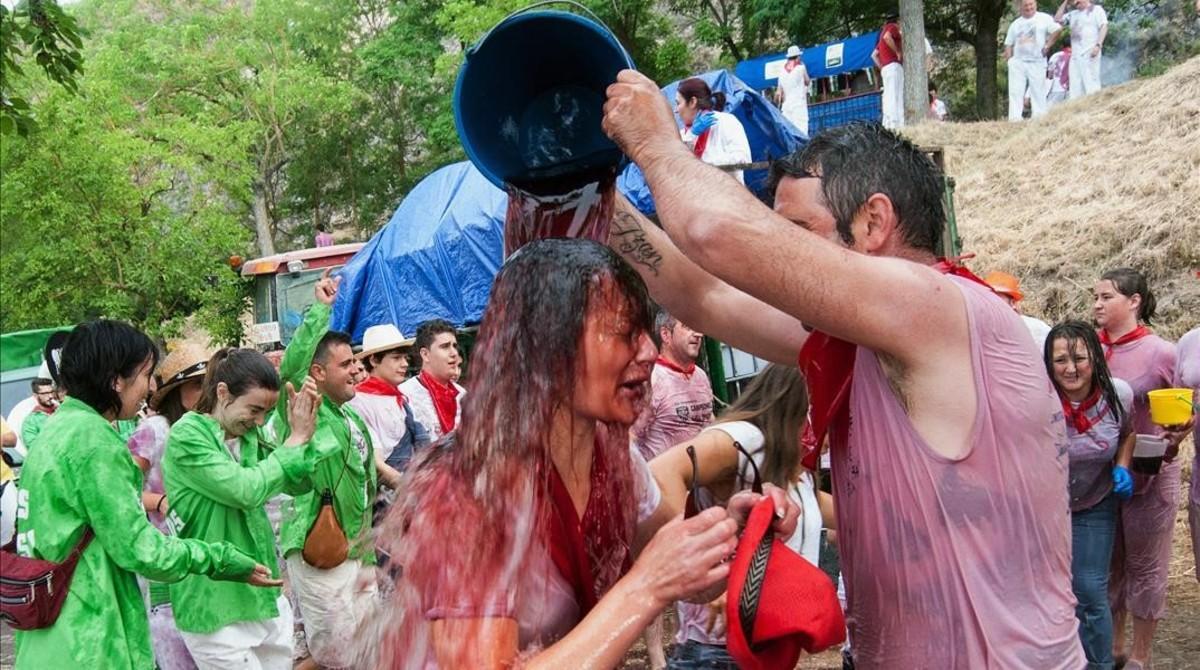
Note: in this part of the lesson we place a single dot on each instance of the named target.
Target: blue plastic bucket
(529, 100)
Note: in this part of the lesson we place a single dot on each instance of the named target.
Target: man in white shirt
(436, 399)
(1025, 49)
(1089, 27)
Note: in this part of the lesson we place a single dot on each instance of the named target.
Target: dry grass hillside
(1106, 181)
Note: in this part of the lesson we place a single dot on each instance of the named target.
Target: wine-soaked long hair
(476, 506)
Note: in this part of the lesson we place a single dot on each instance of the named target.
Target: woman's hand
(1175, 435)
(302, 412)
(262, 577)
(1122, 482)
(686, 556)
(787, 513)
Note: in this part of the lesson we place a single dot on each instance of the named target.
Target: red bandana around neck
(570, 536)
(1077, 416)
(376, 386)
(828, 366)
(670, 365)
(445, 399)
(1132, 336)
(702, 143)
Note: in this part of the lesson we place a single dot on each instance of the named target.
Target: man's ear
(317, 372)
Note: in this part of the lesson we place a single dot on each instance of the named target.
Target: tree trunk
(916, 78)
(987, 27)
(262, 221)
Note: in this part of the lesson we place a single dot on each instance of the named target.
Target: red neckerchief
(668, 364)
(569, 536)
(1077, 416)
(1132, 336)
(445, 399)
(828, 366)
(376, 386)
(702, 143)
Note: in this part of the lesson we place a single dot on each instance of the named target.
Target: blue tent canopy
(435, 258)
(771, 135)
(825, 60)
(438, 255)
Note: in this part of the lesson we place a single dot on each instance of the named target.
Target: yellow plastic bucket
(1170, 407)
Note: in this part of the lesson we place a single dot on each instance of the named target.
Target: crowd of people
(1003, 498)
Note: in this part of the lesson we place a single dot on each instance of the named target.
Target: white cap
(793, 51)
(384, 337)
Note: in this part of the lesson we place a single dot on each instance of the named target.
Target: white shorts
(334, 603)
(246, 645)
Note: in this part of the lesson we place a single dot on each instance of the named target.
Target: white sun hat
(384, 337)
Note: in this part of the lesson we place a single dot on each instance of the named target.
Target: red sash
(702, 143)
(1077, 416)
(668, 364)
(828, 366)
(376, 386)
(569, 536)
(1132, 336)
(445, 400)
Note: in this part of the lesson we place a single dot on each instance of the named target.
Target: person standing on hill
(1089, 27)
(1025, 50)
(1058, 72)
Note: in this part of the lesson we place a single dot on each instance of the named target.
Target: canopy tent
(23, 349)
(438, 254)
(771, 135)
(435, 258)
(825, 60)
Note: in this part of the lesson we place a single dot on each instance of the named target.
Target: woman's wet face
(616, 354)
(1072, 367)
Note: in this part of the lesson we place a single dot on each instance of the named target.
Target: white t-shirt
(1085, 28)
(1038, 329)
(422, 406)
(727, 143)
(384, 418)
(795, 91)
(937, 109)
(1027, 36)
(16, 417)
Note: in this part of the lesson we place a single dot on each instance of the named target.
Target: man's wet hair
(861, 159)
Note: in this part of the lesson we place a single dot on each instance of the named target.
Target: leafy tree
(41, 29)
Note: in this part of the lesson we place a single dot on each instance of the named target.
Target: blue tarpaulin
(435, 258)
(771, 136)
(438, 255)
(825, 60)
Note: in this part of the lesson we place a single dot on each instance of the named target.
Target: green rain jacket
(343, 444)
(32, 426)
(215, 498)
(82, 475)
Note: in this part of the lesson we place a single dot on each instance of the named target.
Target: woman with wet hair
(1123, 310)
(520, 537)
(715, 136)
(81, 479)
(220, 472)
(1100, 437)
(758, 435)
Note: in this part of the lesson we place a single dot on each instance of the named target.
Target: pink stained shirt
(149, 441)
(1091, 453)
(680, 406)
(960, 563)
(1146, 364)
(1187, 375)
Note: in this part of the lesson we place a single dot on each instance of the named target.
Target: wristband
(158, 505)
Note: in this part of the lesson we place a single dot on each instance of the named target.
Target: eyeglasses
(694, 505)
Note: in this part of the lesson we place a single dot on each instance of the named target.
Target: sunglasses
(695, 503)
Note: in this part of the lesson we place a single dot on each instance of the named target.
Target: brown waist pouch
(326, 546)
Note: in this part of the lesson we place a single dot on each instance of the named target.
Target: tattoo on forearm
(630, 241)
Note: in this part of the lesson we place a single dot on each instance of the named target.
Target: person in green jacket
(80, 477)
(220, 470)
(336, 601)
(47, 402)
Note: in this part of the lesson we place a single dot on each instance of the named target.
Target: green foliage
(42, 30)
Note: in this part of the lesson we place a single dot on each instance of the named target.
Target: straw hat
(187, 360)
(793, 51)
(1005, 284)
(383, 337)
